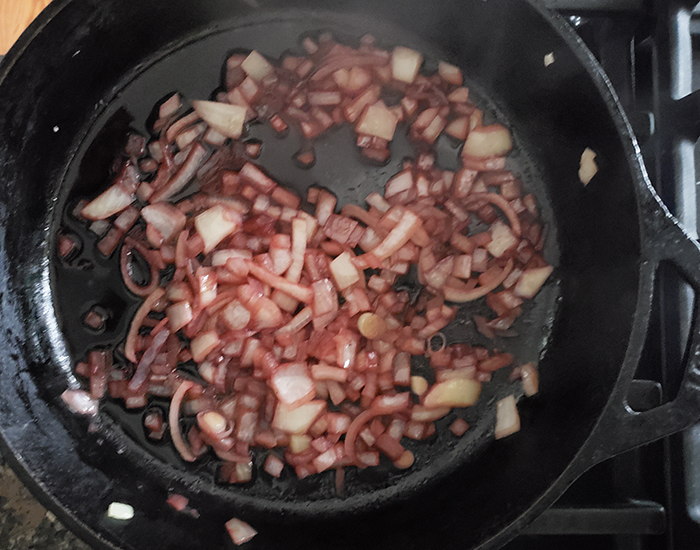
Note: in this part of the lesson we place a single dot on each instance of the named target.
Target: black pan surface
(104, 71)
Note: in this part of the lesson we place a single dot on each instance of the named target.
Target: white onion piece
(458, 392)
(325, 297)
(398, 236)
(226, 119)
(344, 271)
(80, 402)
(588, 167)
(530, 378)
(220, 257)
(405, 64)
(502, 239)
(239, 531)
(256, 66)
(236, 316)
(203, 344)
(120, 511)
(459, 128)
(403, 181)
(167, 219)
(297, 420)
(170, 106)
(532, 280)
(112, 201)
(450, 73)
(179, 315)
(292, 384)
(215, 224)
(377, 120)
(488, 141)
(507, 417)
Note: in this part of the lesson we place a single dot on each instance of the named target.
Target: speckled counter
(27, 525)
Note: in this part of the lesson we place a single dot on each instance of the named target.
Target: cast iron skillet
(71, 73)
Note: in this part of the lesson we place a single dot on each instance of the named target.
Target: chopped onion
(225, 118)
(80, 402)
(507, 417)
(405, 64)
(239, 531)
(272, 304)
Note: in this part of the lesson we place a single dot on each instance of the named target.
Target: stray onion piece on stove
(290, 315)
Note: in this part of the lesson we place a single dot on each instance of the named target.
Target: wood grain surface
(15, 16)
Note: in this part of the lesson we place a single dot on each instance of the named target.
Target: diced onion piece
(220, 257)
(588, 167)
(507, 417)
(166, 218)
(297, 420)
(371, 325)
(459, 95)
(378, 202)
(457, 392)
(325, 298)
(532, 280)
(213, 423)
(120, 511)
(299, 443)
(113, 200)
(292, 384)
(256, 66)
(236, 316)
(203, 344)
(215, 224)
(398, 236)
(459, 128)
(530, 378)
(401, 182)
(459, 427)
(463, 266)
(377, 120)
(80, 402)
(502, 239)
(420, 413)
(239, 531)
(179, 315)
(405, 461)
(488, 141)
(450, 73)
(225, 118)
(344, 271)
(405, 64)
(419, 385)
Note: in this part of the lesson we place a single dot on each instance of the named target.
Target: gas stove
(648, 498)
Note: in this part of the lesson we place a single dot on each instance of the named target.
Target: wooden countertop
(15, 16)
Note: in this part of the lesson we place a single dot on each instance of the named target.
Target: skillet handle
(663, 240)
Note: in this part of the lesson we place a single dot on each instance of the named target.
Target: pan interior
(194, 69)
